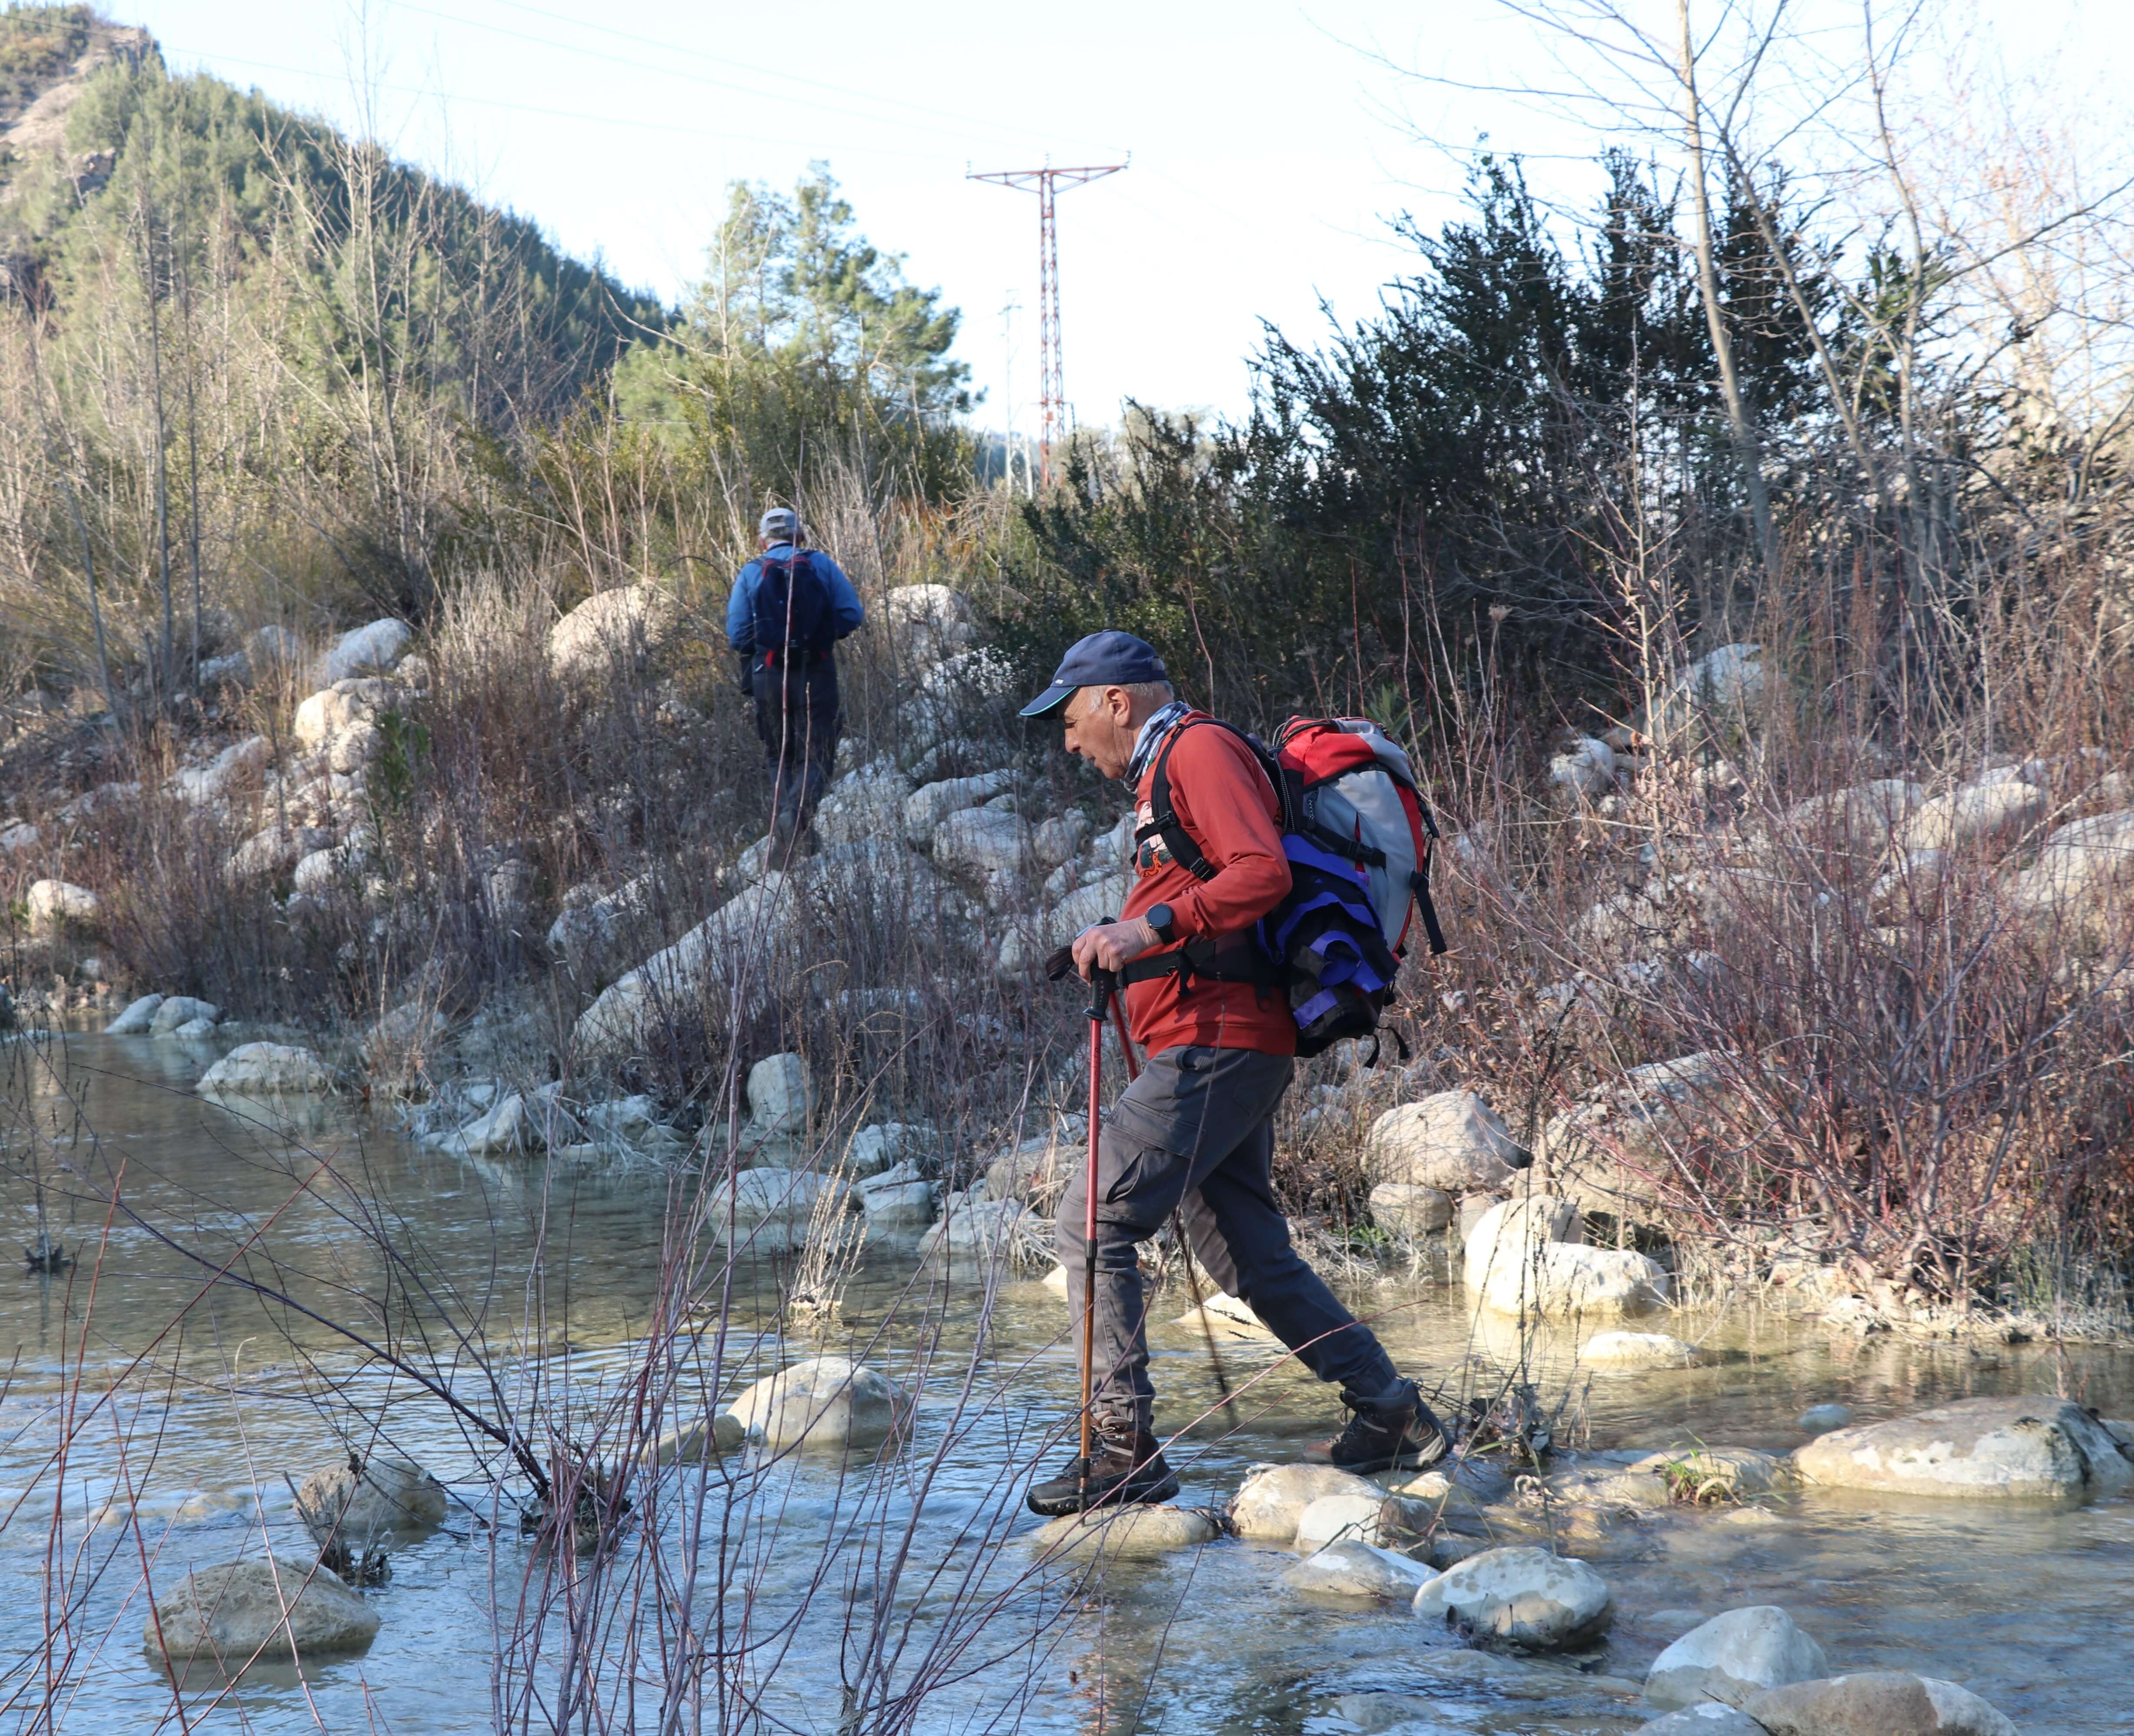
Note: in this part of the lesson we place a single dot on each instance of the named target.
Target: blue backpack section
(792, 611)
(1327, 935)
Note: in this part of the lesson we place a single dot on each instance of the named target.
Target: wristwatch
(1158, 917)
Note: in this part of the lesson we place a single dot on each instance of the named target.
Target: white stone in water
(266, 1069)
(1134, 1533)
(780, 1096)
(687, 1444)
(1710, 1718)
(2020, 1448)
(1452, 1141)
(768, 1211)
(1822, 1419)
(1522, 1596)
(1227, 1318)
(1273, 1498)
(369, 650)
(1332, 1517)
(133, 1022)
(245, 1609)
(1877, 1703)
(885, 1145)
(178, 1010)
(1639, 1350)
(193, 1030)
(1356, 1570)
(55, 903)
(824, 1401)
(984, 1232)
(1732, 1656)
(394, 1501)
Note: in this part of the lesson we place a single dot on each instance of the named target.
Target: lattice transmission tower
(1045, 181)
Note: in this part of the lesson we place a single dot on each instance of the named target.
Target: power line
(1043, 181)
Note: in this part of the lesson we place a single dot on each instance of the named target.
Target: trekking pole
(1100, 1000)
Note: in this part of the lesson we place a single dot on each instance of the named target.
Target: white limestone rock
(928, 623)
(1876, 1703)
(55, 904)
(982, 840)
(769, 1211)
(1131, 1534)
(1514, 1265)
(134, 1021)
(1631, 1350)
(824, 1401)
(1400, 1209)
(267, 1070)
(369, 650)
(611, 633)
(1975, 811)
(1584, 771)
(1332, 1517)
(1353, 1569)
(180, 1010)
(1452, 1141)
(781, 1098)
(391, 1500)
(928, 806)
(256, 1608)
(1271, 1502)
(1975, 1449)
(1733, 1656)
(1522, 1597)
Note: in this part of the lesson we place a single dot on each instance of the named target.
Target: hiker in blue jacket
(790, 606)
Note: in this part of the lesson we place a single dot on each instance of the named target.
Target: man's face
(1100, 729)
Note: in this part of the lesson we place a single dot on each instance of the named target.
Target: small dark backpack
(793, 617)
(1358, 838)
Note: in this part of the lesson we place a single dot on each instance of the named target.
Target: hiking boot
(1125, 1469)
(1394, 1431)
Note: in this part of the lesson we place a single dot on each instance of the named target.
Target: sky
(1267, 143)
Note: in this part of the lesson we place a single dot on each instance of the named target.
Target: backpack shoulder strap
(1163, 820)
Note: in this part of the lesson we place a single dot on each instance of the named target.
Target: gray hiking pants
(1195, 1132)
(797, 719)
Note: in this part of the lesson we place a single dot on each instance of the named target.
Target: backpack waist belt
(1208, 959)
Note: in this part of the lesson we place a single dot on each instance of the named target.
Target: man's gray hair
(1150, 694)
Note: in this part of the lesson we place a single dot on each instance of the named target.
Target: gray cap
(781, 524)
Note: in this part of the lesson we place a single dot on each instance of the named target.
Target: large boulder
(1616, 1150)
(369, 650)
(1732, 1656)
(981, 841)
(57, 905)
(691, 1442)
(199, 785)
(928, 623)
(259, 1608)
(612, 632)
(931, 803)
(1519, 1260)
(824, 1401)
(1025, 946)
(1876, 1703)
(1273, 1498)
(134, 1021)
(781, 1098)
(178, 1010)
(1352, 1570)
(760, 925)
(2005, 1449)
(1712, 1718)
(342, 706)
(1867, 817)
(1131, 1534)
(266, 1070)
(1727, 680)
(987, 1232)
(1584, 771)
(769, 1211)
(1975, 811)
(1522, 1597)
(2077, 888)
(1400, 1209)
(1639, 1350)
(276, 851)
(1452, 1141)
(1374, 1518)
(865, 804)
(388, 1501)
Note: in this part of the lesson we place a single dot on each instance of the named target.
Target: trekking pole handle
(1103, 985)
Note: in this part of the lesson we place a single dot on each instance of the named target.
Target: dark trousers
(1195, 1132)
(799, 719)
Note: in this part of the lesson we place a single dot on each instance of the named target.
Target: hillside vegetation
(1754, 587)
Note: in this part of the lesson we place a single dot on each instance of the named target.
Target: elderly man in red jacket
(1195, 1132)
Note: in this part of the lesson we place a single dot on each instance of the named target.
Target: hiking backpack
(1357, 834)
(792, 609)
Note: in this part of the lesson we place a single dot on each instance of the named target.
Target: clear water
(178, 1439)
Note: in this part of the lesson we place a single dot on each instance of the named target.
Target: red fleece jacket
(1223, 799)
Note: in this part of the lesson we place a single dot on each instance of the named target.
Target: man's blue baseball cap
(1106, 659)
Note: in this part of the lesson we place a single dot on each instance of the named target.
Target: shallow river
(153, 1421)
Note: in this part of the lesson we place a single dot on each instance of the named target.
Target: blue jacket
(741, 607)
